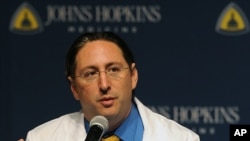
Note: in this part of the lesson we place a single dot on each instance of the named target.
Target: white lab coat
(70, 127)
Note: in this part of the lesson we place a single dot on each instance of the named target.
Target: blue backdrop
(192, 57)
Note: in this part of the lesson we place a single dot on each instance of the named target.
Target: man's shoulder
(58, 125)
(171, 128)
(160, 126)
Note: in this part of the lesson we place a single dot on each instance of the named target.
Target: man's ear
(134, 76)
(73, 88)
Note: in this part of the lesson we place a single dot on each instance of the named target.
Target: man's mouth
(107, 102)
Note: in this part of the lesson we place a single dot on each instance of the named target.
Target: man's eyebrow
(95, 67)
(88, 67)
(113, 63)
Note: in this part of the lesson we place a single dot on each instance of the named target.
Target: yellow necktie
(111, 138)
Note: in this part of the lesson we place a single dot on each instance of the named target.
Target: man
(102, 74)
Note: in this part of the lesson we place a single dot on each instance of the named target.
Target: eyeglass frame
(108, 72)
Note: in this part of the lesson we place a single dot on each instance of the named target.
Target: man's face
(105, 95)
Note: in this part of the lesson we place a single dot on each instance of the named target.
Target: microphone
(98, 126)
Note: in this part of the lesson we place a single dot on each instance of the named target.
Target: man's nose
(104, 81)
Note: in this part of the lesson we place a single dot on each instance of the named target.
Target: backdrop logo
(26, 20)
(202, 119)
(232, 21)
(116, 18)
(85, 18)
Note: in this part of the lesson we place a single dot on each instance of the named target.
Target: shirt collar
(126, 131)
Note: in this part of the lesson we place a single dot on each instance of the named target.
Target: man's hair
(93, 36)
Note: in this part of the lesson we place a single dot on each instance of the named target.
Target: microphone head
(100, 121)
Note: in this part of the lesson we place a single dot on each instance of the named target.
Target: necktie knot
(111, 138)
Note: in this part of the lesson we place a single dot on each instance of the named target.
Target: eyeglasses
(113, 72)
